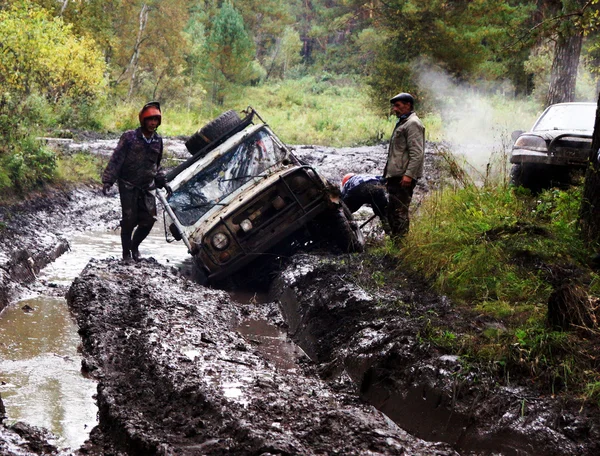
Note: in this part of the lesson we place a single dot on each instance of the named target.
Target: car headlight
(220, 241)
(246, 225)
(530, 142)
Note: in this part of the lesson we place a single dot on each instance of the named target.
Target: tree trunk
(135, 57)
(589, 215)
(564, 69)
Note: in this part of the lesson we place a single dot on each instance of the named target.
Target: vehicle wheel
(347, 233)
(212, 131)
(199, 274)
(531, 176)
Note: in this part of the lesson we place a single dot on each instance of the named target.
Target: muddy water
(270, 341)
(40, 366)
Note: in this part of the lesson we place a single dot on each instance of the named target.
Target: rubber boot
(126, 244)
(139, 235)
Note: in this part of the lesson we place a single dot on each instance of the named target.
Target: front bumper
(557, 157)
(276, 212)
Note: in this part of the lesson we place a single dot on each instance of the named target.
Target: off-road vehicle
(244, 196)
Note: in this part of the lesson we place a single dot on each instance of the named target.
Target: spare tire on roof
(212, 131)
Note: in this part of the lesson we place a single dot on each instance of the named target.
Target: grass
(80, 167)
(331, 112)
(499, 253)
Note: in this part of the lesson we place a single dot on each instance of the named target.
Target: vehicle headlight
(531, 143)
(220, 241)
(298, 183)
(246, 225)
(278, 203)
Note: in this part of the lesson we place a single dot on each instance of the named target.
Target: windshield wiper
(243, 177)
(190, 207)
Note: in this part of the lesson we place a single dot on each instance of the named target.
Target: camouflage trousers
(398, 206)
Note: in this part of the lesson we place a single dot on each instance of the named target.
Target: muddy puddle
(268, 339)
(40, 370)
(40, 365)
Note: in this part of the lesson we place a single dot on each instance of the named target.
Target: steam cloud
(471, 124)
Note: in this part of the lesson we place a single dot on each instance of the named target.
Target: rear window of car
(567, 117)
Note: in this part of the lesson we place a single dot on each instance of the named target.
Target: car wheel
(348, 235)
(531, 176)
(199, 274)
(212, 131)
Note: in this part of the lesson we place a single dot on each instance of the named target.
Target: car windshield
(567, 117)
(224, 175)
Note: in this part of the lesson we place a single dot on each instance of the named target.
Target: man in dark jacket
(365, 189)
(135, 164)
(404, 165)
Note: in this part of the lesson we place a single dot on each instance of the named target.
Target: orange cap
(151, 109)
(346, 177)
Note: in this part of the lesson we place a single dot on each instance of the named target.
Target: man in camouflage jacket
(135, 165)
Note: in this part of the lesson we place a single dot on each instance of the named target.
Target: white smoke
(477, 121)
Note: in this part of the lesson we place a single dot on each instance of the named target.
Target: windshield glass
(568, 117)
(225, 175)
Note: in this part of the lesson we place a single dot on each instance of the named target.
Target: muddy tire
(348, 236)
(531, 176)
(199, 273)
(537, 177)
(213, 131)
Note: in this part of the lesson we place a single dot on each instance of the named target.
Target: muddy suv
(243, 196)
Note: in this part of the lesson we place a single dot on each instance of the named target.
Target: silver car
(557, 145)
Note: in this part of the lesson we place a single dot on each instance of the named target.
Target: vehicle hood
(251, 189)
(549, 135)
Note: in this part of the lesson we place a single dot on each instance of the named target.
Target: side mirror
(515, 134)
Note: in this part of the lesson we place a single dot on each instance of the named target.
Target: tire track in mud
(175, 377)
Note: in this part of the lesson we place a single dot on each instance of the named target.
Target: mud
(373, 337)
(184, 369)
(177, 378)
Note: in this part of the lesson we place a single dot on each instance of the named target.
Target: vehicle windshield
(225, 175)
(568, 117)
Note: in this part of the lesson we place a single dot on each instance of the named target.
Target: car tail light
(531, 142)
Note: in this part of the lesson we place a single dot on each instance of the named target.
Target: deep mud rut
(177, 375)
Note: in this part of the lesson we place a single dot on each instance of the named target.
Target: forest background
(320, 71)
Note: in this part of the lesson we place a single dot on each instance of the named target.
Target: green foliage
(80, 167)
(41, 54)
(332, 111)
(229, 52)
(592, 392)
(286, 54)
(29, 166)
(465, 38)
(478, 244)
(316, 111)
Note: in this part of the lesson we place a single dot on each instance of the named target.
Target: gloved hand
(106, 189)
(168, 189)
